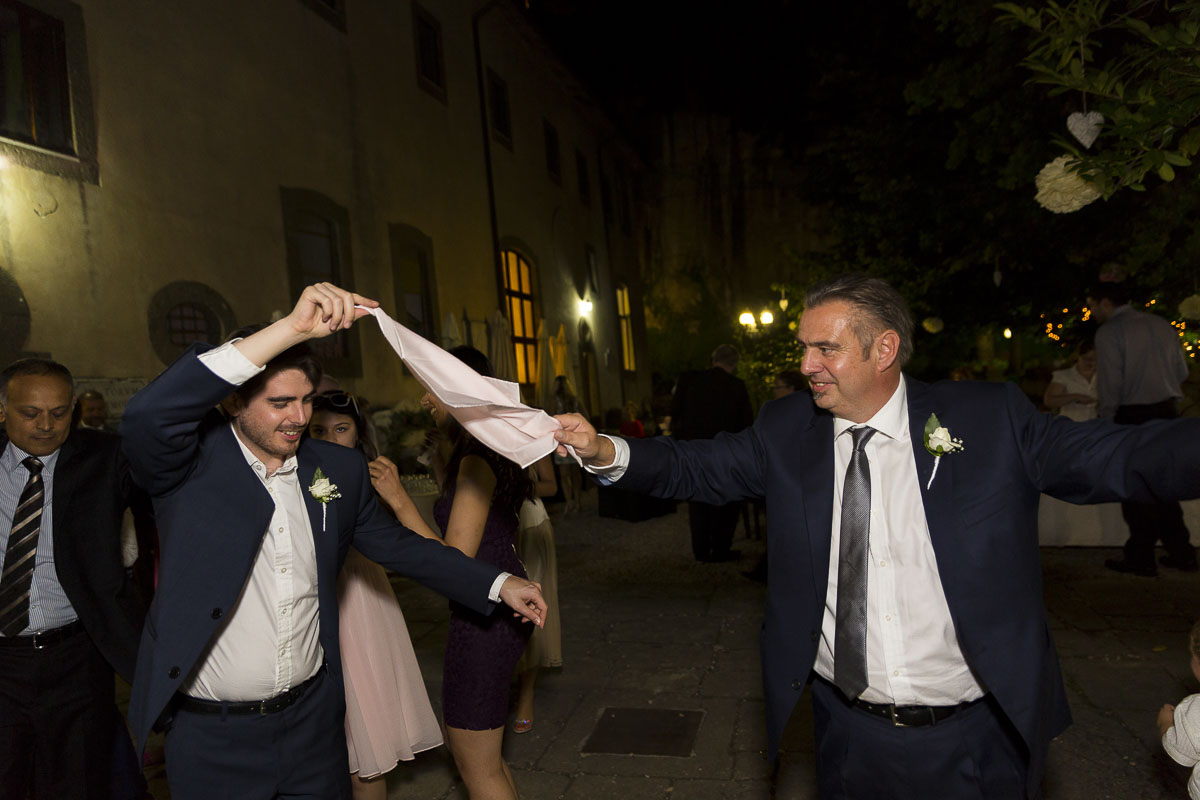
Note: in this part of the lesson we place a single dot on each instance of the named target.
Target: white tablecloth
(1064, 525)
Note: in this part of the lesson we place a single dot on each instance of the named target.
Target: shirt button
(883, 563)
(283, 569)
(217, 613)
(896, 673)
(281, 530)
(888, 618)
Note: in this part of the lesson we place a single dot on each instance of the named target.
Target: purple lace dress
(482, 651)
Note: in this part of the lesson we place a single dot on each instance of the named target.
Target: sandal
(522, 725)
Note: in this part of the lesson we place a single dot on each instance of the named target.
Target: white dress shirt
(270, 641)
(913, 656)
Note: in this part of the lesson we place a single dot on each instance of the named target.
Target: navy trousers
(973, 754)
(299, 752)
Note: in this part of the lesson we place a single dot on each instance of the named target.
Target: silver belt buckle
(37, 642)
(896, 720)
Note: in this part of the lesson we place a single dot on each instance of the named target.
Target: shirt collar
(260, 469)
(891, 420)
(13, 456)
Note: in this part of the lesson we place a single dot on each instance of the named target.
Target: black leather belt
(40, 641)
(912, 716)
(271, 705)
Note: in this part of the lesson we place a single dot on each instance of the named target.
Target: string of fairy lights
(1054, 327)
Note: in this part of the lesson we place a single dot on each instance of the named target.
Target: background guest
(388, 715)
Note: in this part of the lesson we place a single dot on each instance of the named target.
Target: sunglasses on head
(338, 401)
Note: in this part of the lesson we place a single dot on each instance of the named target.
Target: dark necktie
(850, 639)
(20, 555)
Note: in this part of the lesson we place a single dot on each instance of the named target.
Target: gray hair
(726, 355)
(33, 366)
(878, 307)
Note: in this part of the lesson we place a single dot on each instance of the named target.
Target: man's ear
(3, 416)
(232, 405)
(887, 349)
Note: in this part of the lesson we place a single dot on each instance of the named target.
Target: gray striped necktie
(20, 555)
(850, 638)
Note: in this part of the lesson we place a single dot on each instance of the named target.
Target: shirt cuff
(228, 363)
(494, 594)
(613, 472)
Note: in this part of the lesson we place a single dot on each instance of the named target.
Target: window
(431, 59)
(498, 108)
(518, 297)
(412, 276)
(192, 322)
(184, 312)
(45, 95)
(318, 249)
(628, 360)
(581, 174)
(334, 11)
(553, 157)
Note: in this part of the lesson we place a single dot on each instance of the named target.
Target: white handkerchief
(491, 410)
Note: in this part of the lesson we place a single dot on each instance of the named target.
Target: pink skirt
(388, 715)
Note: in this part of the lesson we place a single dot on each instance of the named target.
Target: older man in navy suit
(239, 660)
(904, 581)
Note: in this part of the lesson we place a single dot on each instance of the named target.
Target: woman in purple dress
(478, 511)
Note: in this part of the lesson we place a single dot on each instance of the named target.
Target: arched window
(518, 301)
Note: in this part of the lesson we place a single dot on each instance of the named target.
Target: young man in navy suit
(904, 583)
(239, 660)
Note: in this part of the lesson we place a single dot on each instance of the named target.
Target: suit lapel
(324, 521)
(816, 480)
(937, 499)
(66, 486)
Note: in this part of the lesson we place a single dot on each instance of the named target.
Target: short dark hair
(726, 355)
(791, 378)
(33, 366)
(877, 305)
(1086, 345)
(298, 356)
(474, 359)
(1115, 293)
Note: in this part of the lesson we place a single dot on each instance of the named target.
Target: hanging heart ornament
(1085, 127)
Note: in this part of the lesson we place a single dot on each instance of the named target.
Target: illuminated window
(628, 360)
(518, 297)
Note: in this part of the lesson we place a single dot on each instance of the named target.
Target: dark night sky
(761, 62)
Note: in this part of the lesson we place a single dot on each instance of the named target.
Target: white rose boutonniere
(939, 442)
(323, 490)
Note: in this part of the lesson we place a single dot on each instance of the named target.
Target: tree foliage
(1138, 64)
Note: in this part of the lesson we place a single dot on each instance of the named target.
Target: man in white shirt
(904, 582)
(239, 660)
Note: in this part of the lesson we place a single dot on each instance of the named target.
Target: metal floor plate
(645, 732)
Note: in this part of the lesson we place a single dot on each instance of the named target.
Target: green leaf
(1189, 143)
(1166, 172)
(1171, 157)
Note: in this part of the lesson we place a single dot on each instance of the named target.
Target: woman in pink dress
(388, 715)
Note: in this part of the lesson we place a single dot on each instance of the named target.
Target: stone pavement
(645, 626)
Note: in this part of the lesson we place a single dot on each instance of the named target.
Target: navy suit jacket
(213, 512)
(92, 489)
(982, 516)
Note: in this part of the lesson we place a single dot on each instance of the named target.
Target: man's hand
(321, 310)
(525, 597)
(324, 309)
(1166, 719)
(596, 451)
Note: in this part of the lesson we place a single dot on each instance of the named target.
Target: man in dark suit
(705, 404)
(68, 615)
(905, 585)
(240, 659)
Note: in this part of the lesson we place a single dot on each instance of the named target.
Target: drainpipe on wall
(487, 148)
